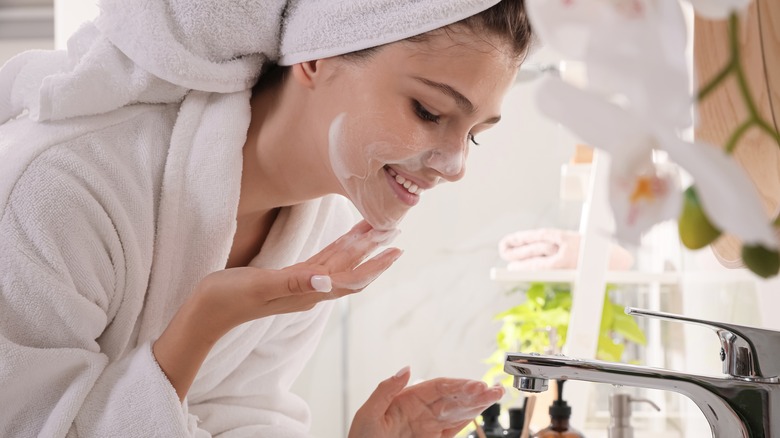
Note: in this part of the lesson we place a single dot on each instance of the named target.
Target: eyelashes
(425, 114)
(428, 116)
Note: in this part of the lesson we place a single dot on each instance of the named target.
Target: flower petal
(596, 121)
(641, 56)
(643, 199)
(635, 48)
(564, 25)
(726, 192)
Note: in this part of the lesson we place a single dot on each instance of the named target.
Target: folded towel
(548, 248)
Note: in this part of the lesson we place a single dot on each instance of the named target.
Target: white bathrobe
(106, 224)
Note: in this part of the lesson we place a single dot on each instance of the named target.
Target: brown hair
(506, 19)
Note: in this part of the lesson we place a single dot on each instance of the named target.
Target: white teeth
(408, 185)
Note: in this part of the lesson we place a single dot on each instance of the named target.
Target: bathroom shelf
(504, 275)
(567, 276)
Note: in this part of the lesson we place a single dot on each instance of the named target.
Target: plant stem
(766, 127)
(755, 116)
(735, 136)
(740, 73)
(720, 77)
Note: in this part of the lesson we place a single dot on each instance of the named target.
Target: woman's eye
(473, 139)
(424, 113)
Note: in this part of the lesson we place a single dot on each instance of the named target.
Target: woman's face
(401, 121)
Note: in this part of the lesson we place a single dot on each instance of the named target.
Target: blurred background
(436, 308)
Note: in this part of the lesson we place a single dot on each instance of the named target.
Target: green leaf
(514, 312)
(626, 326)
(762, 261)
(696, 230)
(608, 350)
(607, 315)
(536, 294)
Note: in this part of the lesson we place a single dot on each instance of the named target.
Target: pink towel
(549, 248)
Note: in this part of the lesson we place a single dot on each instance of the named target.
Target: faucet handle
(620, 405)
(746, 352)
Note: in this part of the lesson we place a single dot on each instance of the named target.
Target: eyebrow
(462, 101)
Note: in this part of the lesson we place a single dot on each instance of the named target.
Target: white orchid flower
(626, 45)
(640, 195)
(635, 50)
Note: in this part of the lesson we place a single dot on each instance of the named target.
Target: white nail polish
(321, 283)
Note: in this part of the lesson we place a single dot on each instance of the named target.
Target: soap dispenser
(620, 415)
(560, 413)
(516, 422)
(490, 424)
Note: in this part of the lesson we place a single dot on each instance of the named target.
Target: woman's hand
(228, 298)
(437, 408)
(234, 296)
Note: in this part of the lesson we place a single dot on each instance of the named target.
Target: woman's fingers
(360, 277)
(379, 401)
(296, 292)
(354, 253)
(349, 250)
(470, 401)
(360, 229)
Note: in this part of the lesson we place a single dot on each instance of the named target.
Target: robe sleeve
(64, 270)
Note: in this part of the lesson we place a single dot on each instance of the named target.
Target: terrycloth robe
(107, 223)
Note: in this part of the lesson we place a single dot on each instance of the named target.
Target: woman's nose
(450, 162)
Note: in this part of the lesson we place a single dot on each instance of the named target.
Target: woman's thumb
(386, 391)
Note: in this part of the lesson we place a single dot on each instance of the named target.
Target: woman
(162, 245)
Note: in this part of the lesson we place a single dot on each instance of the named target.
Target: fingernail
(402, 371)
(475, 387)
(388, 250)
(321, 283)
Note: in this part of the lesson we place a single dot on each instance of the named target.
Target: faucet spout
(733, 407)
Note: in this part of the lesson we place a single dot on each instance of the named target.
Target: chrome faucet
(744, 403)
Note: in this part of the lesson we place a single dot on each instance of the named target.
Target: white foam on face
(448, 162)
(359, 150)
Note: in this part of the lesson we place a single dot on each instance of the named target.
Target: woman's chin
(383, 223)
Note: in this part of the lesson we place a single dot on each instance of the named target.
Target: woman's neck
(285, 162)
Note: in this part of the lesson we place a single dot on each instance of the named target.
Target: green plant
(548, 307)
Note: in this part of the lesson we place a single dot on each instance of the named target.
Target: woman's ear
(308, 73)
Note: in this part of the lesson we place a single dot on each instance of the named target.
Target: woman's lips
(406, 191)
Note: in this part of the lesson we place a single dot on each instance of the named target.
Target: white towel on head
(315, 29)
(156, 51)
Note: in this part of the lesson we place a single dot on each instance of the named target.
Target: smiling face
(400, 121)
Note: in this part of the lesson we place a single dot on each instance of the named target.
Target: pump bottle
(560, 413)
(490, 424)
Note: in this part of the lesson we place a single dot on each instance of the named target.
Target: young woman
(170, 254)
